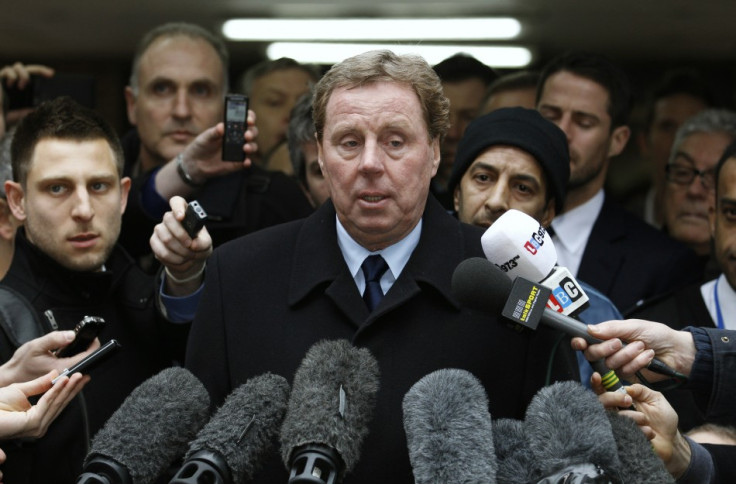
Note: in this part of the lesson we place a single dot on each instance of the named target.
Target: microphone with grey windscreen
(448, 429)
(149, 431)
(231, 447)
(332, 401)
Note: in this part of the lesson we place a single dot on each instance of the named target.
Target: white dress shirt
(572, 230)
(726, 302)
(396, 256)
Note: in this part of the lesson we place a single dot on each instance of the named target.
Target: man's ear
(130, 99)
(619, 138)
(456, 198)
(125, 183)
(436, 155)
(549, 213)
(15, 197)
(7, 225)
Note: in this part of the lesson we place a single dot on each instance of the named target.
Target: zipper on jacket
(51, 319)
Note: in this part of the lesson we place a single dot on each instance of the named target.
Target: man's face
(316, 183)
(465, 99)
(378, 160)
(578, 106)
(272, 98)
(73, 201)
(686, 207)
(502, 178)
(524, 97)
(180, 94)
(723, 221)
(2, 116)
(668, 115)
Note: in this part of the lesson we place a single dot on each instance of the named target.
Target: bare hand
(182, 255)
(645, 339)
(20, 74)
(202, 160)
(18, 418)
(36, 357)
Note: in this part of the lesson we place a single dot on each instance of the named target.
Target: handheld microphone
(479, 284)
(332, 400)
(509, 234)
(519, 246)
(149, 431)
(448, 429)
(229, 449)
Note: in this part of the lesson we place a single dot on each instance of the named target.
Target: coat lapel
(602, 257)
(319, 265)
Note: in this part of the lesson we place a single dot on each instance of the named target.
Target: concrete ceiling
(628, 30)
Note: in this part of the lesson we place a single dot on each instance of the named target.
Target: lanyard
(719, 321)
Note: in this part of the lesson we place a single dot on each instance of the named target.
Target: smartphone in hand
(92, 360)
(86, 331)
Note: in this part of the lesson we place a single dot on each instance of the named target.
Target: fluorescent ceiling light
(352, 29)
(330, 53)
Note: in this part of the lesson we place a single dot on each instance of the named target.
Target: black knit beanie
(522, 128)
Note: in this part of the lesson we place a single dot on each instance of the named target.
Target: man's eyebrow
(683, 154)
(586, 115)
(482, 165)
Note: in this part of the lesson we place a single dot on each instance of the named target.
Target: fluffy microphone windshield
(245, 427)
(515, 460)
(565, 424)
(448, 429)
(332, 400)
(639, 462)
(154, 424)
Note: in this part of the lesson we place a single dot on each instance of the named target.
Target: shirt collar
(396, 255)
(726, 300)
(573, 228)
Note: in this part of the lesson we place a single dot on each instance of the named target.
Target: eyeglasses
(684, 175)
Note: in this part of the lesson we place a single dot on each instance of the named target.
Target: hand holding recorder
(216, 151)
(182, 244)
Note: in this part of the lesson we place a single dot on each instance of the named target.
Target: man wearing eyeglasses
(712, 304)
(690, 174)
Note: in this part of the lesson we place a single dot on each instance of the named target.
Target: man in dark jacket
(271, 295)
(588, 97)
(176, 92)
(70, 194)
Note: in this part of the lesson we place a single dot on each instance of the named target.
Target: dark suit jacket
(628, 260)
(236, 204)
(271, 295)
(124, 297)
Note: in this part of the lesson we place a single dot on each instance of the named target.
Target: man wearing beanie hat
(510, 158)
(513, 158)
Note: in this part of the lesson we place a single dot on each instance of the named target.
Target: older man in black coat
(270, 295)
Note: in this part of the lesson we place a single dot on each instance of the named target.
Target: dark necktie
(373, 268)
